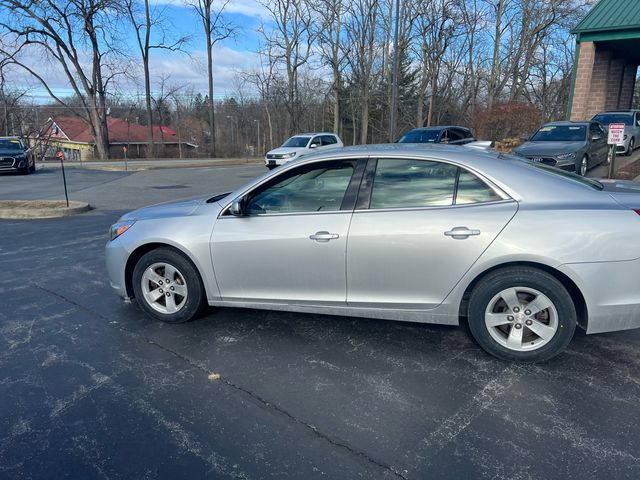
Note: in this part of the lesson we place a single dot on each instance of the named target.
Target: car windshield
(421, 136)
(10, 144)
(297, 142)
(560, 133)
(607, 119)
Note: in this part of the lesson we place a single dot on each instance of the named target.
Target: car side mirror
(237, 207)
(313, 145)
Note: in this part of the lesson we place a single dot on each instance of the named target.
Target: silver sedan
(431, 234)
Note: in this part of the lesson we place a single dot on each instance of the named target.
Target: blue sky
(183, 69)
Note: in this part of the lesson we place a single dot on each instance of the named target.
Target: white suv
(300, 145)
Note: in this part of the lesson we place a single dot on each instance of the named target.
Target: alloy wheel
(164, 288)
(521, 319)
(583, 166)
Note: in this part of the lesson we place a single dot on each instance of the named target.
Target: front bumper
(611, 291)
(9, 164)
(116, 257)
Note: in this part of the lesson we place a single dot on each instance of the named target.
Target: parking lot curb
(34, 209)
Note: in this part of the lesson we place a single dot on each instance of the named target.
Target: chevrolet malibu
(429, 234)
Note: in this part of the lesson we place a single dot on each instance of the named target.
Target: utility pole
(393, 120)
(258, 123)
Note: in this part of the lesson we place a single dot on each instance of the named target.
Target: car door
(418, 227)
(329, 141)
(597, 149)
(456, 137)
(289, 242)
(315, 143)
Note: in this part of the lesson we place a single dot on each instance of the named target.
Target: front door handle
(323, 236)
(461, 233)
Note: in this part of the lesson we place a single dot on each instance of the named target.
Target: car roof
(438, 127)
(616, 111)
(314, 133)
(561, 123)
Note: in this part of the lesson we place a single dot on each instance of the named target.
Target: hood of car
(11, 153)
(285, 150)
(178, 208)
(548, 149)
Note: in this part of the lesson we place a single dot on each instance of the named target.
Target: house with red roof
(126, 139)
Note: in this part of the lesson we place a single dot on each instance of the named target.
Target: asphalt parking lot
(91, 388)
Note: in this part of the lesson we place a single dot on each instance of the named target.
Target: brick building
(607, 58)
(73, 137)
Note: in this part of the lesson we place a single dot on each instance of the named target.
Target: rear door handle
(323, 236)
(461, 233)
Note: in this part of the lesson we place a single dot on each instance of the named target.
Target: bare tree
(78, 37)
(216, 29)
(290, 44)
(330, 41)
(362, 42)
(150, 27)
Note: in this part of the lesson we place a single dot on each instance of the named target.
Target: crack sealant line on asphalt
(265, 403)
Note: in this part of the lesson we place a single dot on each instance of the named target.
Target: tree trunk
(495, 64)
(211, 105)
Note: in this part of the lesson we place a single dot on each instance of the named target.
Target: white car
(300, 145)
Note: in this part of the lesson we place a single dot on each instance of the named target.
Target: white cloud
(248, 8)
(176, 69)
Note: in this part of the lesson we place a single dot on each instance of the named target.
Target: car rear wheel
(521, 314)
(168, 287)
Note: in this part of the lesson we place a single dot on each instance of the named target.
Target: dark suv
(15, 156)
(452, 135)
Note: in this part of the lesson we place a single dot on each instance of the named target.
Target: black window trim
(363, 202)
(348, 202)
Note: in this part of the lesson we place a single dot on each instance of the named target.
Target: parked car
(426, 234)
(16, 156)
(631, 120)
(300, 145)
(449, 134)
(572, 146)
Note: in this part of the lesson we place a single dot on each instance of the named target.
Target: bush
(506, 121)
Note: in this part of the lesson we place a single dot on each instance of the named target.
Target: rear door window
(425, 183)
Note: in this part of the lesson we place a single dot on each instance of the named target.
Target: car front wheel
(631, 146)
(583, 166)
(167, 286)
(521, 314)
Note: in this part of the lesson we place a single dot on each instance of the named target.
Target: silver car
(631, 120)
(430, 234)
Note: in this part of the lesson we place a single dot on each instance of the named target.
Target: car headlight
(567, 156)
(289, 155)
(119, 228)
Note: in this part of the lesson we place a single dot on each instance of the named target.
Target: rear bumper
(611, 291)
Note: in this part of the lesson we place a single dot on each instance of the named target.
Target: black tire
(631, 146)
(530, 278)
(271, 167)
(32, 168)
(25, 171)
(195, 300)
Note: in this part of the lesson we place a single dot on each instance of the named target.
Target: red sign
(60, 155)
(616, 134)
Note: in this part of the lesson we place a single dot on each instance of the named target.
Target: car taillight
(637, 210)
